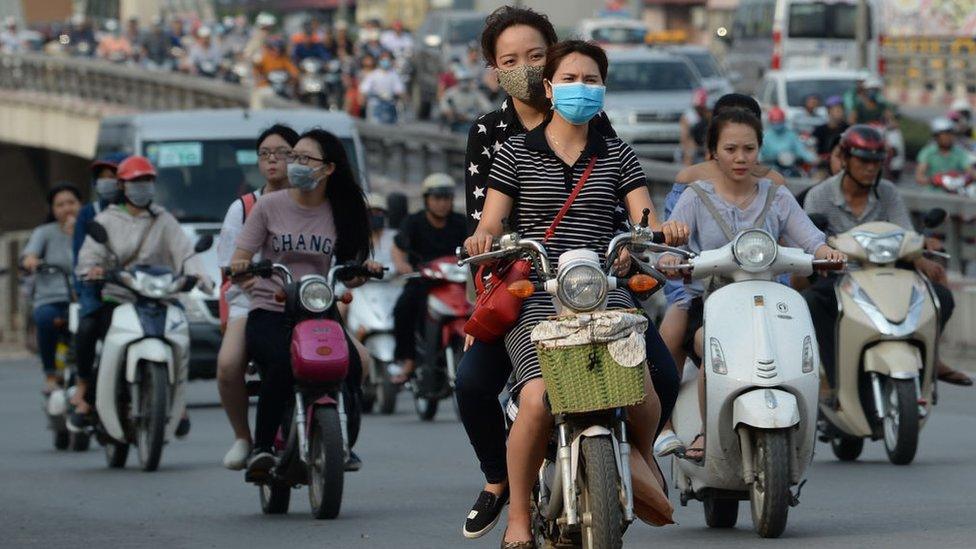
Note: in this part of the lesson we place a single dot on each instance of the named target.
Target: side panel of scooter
(760, 328)
(125, 329)
(856, 332)
(178, 336)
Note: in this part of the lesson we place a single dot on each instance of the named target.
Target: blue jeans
(47, 333)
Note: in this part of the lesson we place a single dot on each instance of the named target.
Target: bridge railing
(101, 82)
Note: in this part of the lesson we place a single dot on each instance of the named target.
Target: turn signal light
(521, 288)
(346, 298)
(279, 297)
(641, 283)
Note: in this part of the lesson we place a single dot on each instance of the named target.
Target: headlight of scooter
(881, 248)
(582, 287)
(153, 286)
(754, 250)
(315, 295)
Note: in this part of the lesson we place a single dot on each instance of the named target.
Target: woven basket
(586, 378)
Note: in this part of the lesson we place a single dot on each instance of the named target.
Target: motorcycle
(760, 406)
(584, 496)
(280, 82)
(955, 182)
(56, 405)
(370, 319)
(143, 364)
(313, 448)
(440, 339)
(311, 83)
(887, 344)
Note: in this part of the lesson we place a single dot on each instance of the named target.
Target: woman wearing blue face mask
(531, 178)
(321, 220)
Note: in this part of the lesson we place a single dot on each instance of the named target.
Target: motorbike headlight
(881, 248)
(310, 65)
(154, 286)
(315, 295)
(582, 287)
(755, 250)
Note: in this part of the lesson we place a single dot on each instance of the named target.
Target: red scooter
(955, 182)
(313, 450)
(440, 338)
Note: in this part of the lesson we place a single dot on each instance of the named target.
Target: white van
(799, 34)
(205, 159)
(612, 32)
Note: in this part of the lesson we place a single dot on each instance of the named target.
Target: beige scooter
(887, 343)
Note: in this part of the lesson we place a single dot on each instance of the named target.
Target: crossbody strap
(569, 201)
(713, 211)
(770, 195)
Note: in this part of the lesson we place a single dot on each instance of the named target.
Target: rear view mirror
(934, 217)
(203, 244)
(97, 231)
(821, 221)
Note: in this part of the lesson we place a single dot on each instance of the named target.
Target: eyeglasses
(302, 158)
(280, 154)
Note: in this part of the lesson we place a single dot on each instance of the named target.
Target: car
(205, 159)
(787, 89)
(713, 76)
(647, 92)
(444, 36)
(612, 32)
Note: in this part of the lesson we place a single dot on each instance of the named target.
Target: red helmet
(699, 98)
(135, 167)
(776, 116)
(863, 141)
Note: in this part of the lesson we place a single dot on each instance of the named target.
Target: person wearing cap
(460, 105)
(943, 154)
(435, 232)
(204, 51)
(869, 103)
(139, 233)
(779, 139)
(961, 113)
(858, 195)
(826, 133)
(694, 124)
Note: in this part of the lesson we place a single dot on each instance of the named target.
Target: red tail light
(776, 62)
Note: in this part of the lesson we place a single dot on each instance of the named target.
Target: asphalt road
(416, 486)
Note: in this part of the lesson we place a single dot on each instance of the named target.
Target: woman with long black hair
(322, 219)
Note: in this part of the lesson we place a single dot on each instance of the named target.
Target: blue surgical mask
(302, 177)
(578, 102)
(778, 128)
(385, 63)
(107, 189)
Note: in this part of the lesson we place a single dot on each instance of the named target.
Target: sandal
(518, 544)
(955, 377)
(667, 443)
(697, 460)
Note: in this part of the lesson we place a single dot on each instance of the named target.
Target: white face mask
(140, 193)
(107, 188)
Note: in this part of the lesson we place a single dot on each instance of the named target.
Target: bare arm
(920, 173)
(400, 261)
(498, 206)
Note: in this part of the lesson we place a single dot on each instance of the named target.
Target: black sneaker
(183, 428)
(353, 463)
(484, 514)
(259, 465)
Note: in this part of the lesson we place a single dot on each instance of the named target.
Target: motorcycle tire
(153, 414)
(386, 397)
(326, 464)
(369, 397)
(426, 407)
(847, 448)
(769, 493)
(275, 497)
(62, 439)
(901, 420)
(79, 442)
(600, 496)
(116, 454)
(721, 512)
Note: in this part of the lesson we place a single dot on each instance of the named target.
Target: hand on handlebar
(375, 271)
(668, 264)
(676, 233)
(95, 273)
(478, 243)
(31, 263)
(621, 266)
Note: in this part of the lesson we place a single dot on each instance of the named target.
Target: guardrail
(102, 82)
(930, 70)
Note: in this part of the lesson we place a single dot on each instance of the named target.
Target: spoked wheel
(153, 411)
(116, 454)
(721, 512)
(326, 464)
(847, 448)
(901, 421)
(601, 516)
(275, 497)
(769, 494)
(79, 442)
(426, 407)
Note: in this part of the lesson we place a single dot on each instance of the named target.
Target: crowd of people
(522, 160)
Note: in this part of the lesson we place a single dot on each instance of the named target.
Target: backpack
(247, 204)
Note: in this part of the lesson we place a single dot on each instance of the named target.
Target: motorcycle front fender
(589, 432)
(896, 359)
(765, 409)
(150, 350)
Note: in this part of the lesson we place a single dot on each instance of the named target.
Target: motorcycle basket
(592, 361)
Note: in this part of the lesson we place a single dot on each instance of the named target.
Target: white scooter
(370, 319)
(760, 355)
(143, 365)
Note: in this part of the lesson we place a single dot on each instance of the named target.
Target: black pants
(482, 375)
(91, 328)
(822, 302)
(268, 338)
(409, 311)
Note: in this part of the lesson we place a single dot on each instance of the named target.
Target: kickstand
(795, 498)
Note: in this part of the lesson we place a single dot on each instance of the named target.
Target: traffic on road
(242, 316)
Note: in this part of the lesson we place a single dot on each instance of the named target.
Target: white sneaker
(236, 457)
(667, 443)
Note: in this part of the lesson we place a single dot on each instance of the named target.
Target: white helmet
(265, 19)
(439, 184)
(941, 124)
(961, 104)
(873, 82)
(204, 32)
(375, 202)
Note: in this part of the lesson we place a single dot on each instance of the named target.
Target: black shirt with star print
(486, 137)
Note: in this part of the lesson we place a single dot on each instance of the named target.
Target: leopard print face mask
(523, 83)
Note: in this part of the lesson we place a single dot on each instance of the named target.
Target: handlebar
(341, 273)
(828, 265)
